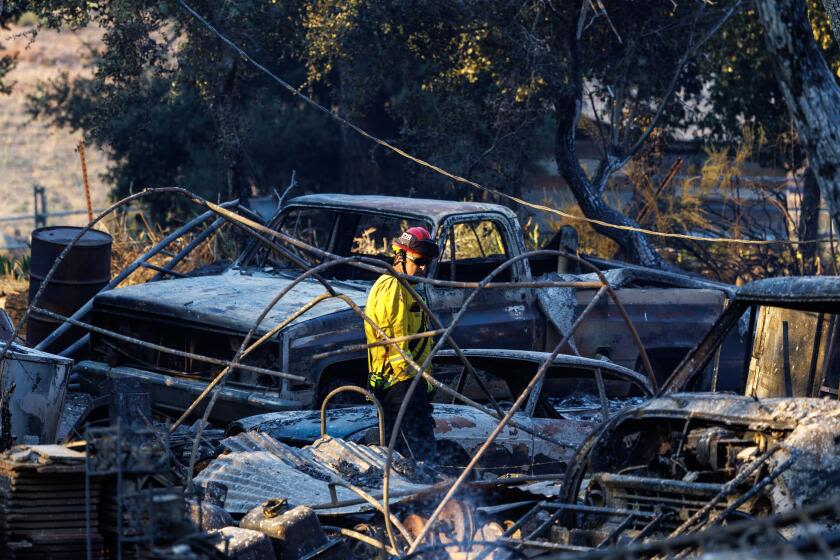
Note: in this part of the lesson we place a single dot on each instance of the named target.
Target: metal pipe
(727, 489)
(195, 242)
(379, 507)
(602, 394)
(73, 348)
(361, 537)
(357, 501)
(755, 489)
(599, 510)
(359, 347)
(380, 413)
(161, 270)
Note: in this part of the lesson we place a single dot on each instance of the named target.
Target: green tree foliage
(442, 78)
(484, 89)
(742, 88)
(468, 85)
(471, 85)
(173, 106)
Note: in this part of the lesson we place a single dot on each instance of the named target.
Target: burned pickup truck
(209, 315)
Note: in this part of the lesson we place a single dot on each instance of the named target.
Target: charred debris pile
(583, 408)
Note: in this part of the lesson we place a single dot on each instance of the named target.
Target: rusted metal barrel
(84, 271)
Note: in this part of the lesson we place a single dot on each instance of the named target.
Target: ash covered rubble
(596, 461)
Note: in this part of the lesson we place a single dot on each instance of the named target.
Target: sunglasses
(419, 261)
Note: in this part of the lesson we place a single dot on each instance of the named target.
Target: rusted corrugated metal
(258, 468)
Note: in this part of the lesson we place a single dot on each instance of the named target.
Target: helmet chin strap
(401, 254)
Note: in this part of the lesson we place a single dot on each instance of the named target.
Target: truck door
(472, 247)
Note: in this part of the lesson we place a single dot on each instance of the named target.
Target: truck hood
(232, 300)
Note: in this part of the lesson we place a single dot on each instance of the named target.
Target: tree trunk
(809, 221)
(810, 90)
(634, 246)
(360, 170)
(238, 181)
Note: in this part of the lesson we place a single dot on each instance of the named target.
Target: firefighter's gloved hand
(375, 382)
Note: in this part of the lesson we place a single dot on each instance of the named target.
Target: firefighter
(393, 308)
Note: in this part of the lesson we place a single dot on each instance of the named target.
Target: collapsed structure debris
(33, 385)
(690, 461)
(656, 473)
(46, 509)
(460, 430)
(325, 474)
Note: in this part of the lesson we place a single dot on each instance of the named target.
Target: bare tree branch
(672, 86)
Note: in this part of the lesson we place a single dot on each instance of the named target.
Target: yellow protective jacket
(397, 313)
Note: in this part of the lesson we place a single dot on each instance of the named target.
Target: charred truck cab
(210, 315)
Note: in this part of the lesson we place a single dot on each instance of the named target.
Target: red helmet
(417, 241)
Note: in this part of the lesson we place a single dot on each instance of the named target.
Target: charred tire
(348, 398)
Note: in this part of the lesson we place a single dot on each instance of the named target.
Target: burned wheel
(347, 398)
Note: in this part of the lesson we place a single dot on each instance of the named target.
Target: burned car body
(209, 315)
(460, 430)
(677, 455)
(688, 460)
(790, 329)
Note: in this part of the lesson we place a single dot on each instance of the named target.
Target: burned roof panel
(776, 413)
(792, 291)
(427, 208)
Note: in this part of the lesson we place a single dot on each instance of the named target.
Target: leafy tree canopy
(485, 89)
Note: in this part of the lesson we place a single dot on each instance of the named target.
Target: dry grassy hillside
(33, 153)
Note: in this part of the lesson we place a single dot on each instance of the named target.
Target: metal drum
(84, 271)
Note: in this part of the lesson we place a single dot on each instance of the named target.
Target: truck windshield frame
(343, 232)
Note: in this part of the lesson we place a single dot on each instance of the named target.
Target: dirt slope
(32, 153)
